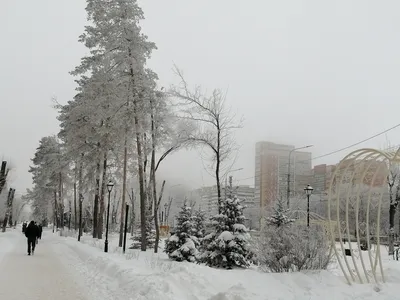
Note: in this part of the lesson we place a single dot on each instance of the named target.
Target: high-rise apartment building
(271, 171)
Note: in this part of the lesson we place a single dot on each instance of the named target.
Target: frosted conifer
(182, 245)
(228, 245)
(279, 217)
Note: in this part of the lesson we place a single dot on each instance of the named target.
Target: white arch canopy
(360, 172)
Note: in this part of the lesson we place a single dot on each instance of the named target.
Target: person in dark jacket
(40, 232)
(31, 233)
(23, 227)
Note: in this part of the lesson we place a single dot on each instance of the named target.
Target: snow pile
(144, 275)
(8, 240)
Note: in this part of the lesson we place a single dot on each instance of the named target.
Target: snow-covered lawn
(8, 241)
(145, 275)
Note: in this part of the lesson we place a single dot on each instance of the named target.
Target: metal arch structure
(302, 214)
(300, 217)
(360, 168)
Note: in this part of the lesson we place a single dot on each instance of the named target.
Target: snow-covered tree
(284, 246)
(49, 175)
(215, 125)
(228, 246)
(279, 216)
(182, 245)
(198, 219)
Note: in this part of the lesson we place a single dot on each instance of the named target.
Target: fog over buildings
(300, 73)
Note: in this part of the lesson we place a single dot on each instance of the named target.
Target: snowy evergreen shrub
(182, 245)
(279, 216)
(228, 245)
(198, 219)
(284, 246)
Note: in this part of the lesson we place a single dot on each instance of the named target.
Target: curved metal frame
(365, 157)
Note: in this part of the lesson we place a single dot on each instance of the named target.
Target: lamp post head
(308, 189)
(110, 186)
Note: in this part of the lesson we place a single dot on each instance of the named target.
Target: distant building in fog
(271, 171)
(207, 199)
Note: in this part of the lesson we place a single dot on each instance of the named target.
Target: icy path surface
(38, 277)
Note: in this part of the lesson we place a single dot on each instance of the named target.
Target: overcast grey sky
(301, 72)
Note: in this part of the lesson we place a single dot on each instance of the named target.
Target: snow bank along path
(37, 277)
(8, 241)
(112, 276)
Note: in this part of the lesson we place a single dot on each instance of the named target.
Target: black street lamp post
(308, 189)
(110, 186)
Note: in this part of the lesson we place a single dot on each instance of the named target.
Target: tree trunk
(133, 213)
(96, 200)
(75, 208)
(398, 215)
(121, 228)
(3, 175)
(156, 206)
(148, 186)
(56, 216)
(60, 198)
(392, 212)
(217, 167)
(102, 200)
(153, 173)
(138, 131)
(80, 196)
(142, 191)
(10, 209)
(5, 220)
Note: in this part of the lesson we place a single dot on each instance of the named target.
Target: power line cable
(341, 149)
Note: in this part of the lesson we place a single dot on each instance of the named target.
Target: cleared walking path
(37, 277)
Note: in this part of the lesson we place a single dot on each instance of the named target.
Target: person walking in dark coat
(31, 233)
(40, 232)
(23, 227)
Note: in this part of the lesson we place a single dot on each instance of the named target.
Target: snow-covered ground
(145, 275)
(93, 274)
(8, 241)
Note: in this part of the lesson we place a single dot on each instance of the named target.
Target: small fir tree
(286, 247)
(198, 220)
(228, 245)
(150, 235)
(182, 245)
(279, 216)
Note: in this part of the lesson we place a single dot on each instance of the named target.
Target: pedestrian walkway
(37, 277)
